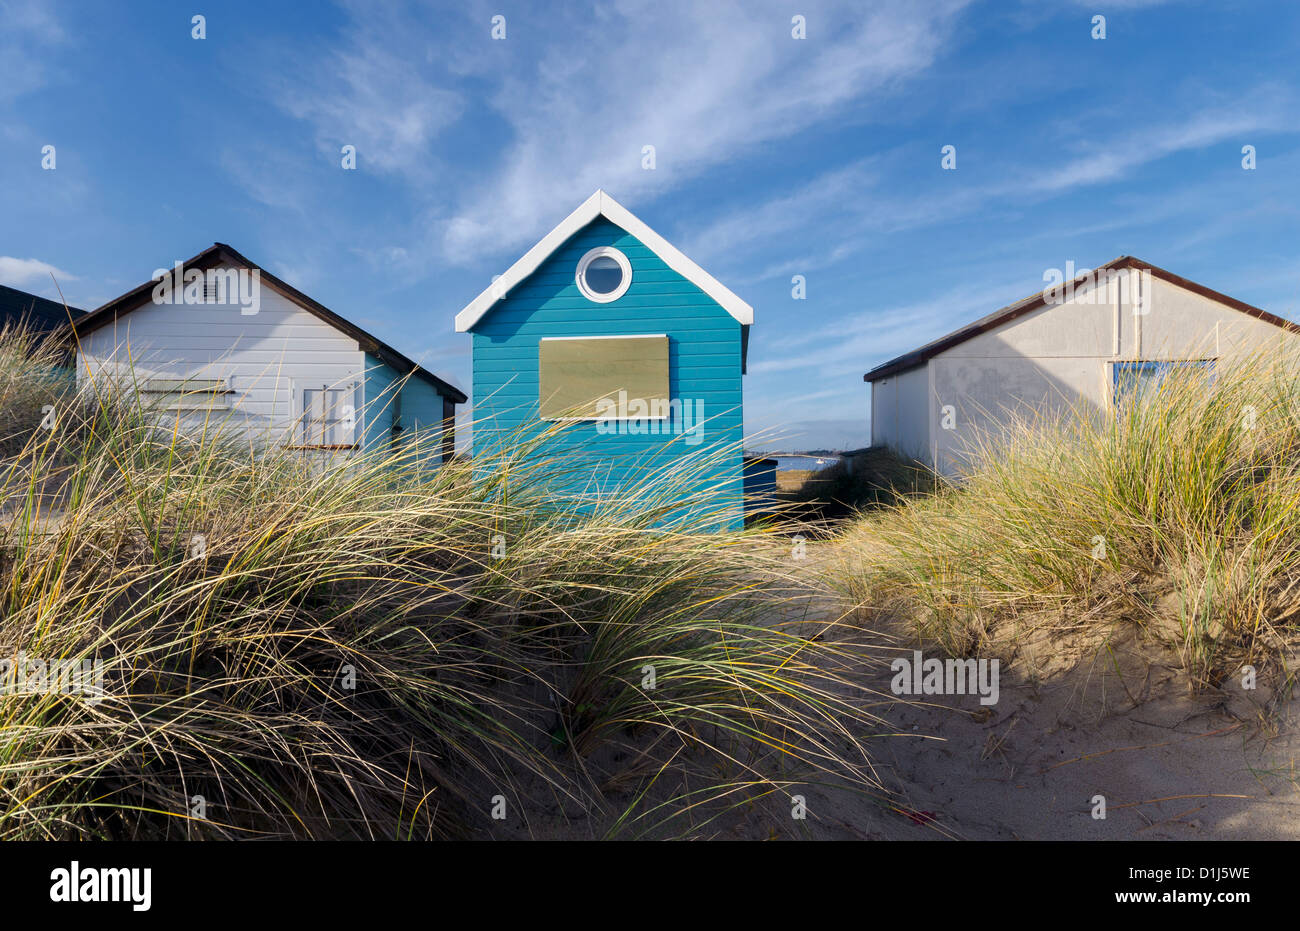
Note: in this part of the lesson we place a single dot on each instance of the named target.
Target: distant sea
(792, 463)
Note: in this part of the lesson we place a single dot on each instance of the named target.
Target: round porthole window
(604, 274)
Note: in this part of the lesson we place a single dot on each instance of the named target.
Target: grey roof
(38, 312)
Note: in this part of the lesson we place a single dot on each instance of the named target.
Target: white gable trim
(601, 204)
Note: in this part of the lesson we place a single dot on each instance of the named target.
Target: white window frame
(623, 264)
(301, 438)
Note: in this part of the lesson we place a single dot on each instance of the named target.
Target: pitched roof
(222, 254)
(909, 360)
(598, 205)
(38, 312)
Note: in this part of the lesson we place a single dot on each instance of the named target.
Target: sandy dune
(1121, 724)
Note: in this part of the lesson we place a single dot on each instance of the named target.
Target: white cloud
(376, 92)
(268, 175)
(1197, 131)
(28, 32)
(824, 197)
(706, 84)
(855, 342)
(861, 208)
(1120, 4)
(18, 273)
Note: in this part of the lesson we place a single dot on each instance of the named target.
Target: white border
(601, 204)
(623, 264)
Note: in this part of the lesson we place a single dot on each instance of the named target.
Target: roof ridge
(601, 203)
(1032, 302)
(135, 298)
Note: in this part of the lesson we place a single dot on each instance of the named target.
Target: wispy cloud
(28, 31)
(855, 342)
(20, 273)
(862, 208)
(1269, 109)
(267, 174)
(1120, 4)
(825, 197)
(378, 89)
(703, 84)
(707, 85)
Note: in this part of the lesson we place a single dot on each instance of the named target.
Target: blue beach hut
(622, 353)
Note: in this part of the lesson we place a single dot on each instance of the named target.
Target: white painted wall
(900, 413)
(1055, 358)
(267, 357)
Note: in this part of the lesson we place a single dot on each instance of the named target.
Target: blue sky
(775, 157)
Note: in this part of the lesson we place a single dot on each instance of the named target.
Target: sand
(1123, 724)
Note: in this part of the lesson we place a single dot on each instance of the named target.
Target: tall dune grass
(33, 377)
(1179, 514)
(382, 650)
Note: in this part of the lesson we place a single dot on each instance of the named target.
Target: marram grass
(1178, 514)
(388, 651)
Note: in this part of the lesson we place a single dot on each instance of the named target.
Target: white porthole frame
(624, 265)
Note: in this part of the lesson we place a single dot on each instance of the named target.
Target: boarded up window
(328, 417)
(186, 394)
(574, 375)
